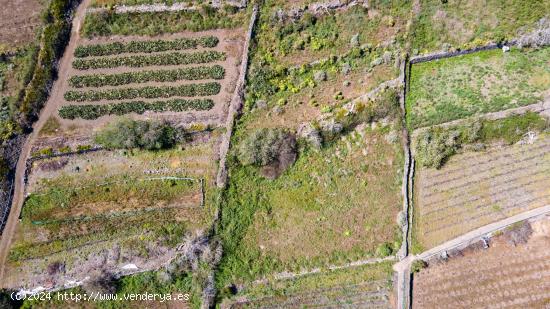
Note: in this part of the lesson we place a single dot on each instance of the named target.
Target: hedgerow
(138, 61)
(194, 73)
(149, 92)
(145, 46)
(53, 40)
(91, 112)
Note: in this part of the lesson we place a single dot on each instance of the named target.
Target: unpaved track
(50, 107)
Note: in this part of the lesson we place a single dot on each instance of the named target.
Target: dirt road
(50, 107)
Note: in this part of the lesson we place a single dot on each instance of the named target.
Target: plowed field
(502, 276)
(476, 188)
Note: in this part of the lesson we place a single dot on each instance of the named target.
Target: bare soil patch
(19, 21)
(502, 276)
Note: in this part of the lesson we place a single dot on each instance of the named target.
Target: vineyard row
(91, 112)
(479, 171)
(149, 92)
(144, 46)
(138, 61)
(193, 73)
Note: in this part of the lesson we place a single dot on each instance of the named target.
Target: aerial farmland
(274, 154)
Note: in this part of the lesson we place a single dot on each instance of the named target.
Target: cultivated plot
(109, 209)
(502, 276)
(477, 188)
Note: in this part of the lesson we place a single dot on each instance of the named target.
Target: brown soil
(477, 188)
(503, 276)
(19, 21)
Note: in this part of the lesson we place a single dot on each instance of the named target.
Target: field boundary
(236, 104)
(540, 107)
(161, 7)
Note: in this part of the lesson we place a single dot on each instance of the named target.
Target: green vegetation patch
(436, 145)
(155, 23)
(145, 46)
(60, 202)
(138, 61)
(470, 23)
(334, 205)
(487, 81)
(91, 112)
(192, 73)
(338, 287)
(150, 92)
(103, 228)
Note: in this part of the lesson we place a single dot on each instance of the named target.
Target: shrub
(91, 112)
(384, 250)
(54, 37)
(101, 283)
(418, 265)
(128, 134)
(138, 61)
(150, 92)
(193, 73)
(4, 169)
(262, 147)
(145, 46)
(435, 146)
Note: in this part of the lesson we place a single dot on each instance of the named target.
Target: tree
(127, 134)
(263, 146)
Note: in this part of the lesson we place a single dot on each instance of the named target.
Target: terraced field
(503, 276)
(367, 286)
(135, 75)
(477, 188)
(85, 208)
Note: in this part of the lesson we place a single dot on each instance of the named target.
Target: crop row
(138, 61)
(149, 92)
(193, 73)
(90, 112)
(144, 46)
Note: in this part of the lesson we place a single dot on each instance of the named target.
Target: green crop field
(487, 81)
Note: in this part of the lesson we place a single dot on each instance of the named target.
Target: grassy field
(363, 286)
(465, 24)
(335, 205)
(487, 81)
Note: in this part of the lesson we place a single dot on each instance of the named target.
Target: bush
(90, 112)
(384, 250)
(101, 283)
(128, 134)
(4, 169)
(193, 73)
(138, 61)
(435, 146)
(149, 92)
(418, 265)
(262, 147)
(145, 46)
